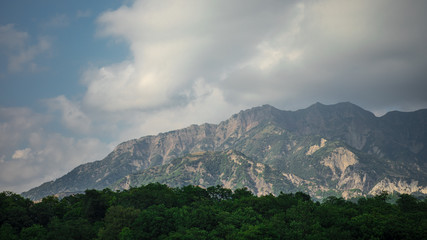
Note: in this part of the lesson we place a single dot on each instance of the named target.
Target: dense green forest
(156, 211)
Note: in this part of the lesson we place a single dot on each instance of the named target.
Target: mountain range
(340, 150)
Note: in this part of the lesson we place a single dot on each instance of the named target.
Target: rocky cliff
(338, 149)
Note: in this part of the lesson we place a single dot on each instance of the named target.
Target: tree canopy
(156, 211)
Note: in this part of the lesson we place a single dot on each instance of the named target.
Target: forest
(156, 211)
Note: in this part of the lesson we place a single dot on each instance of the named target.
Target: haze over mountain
(323, 150)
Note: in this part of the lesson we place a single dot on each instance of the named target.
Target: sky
(78, 77)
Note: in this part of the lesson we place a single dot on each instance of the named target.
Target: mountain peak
(317, 105)
(268, 139)
(342, 110)
(251, 117)
(266, 108)
(338, 106)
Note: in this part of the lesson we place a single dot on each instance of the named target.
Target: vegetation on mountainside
(322, 150)
(156, 211)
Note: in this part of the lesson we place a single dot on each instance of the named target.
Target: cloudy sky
(78, 77)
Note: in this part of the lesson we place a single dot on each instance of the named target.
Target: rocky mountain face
(230, 169)
(324, 150)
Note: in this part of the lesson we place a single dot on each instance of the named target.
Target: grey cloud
(200, 61)
(286, 53)
(17, 125)
(176, 43)
(373, 56)
(72, 116)
(31, 155)
(83, 13)
(10, 38)
(20, 54)
(24, 59)
(57, 21)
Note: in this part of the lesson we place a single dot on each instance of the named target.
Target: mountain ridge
(281, 140)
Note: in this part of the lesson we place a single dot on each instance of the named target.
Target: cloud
(339, 51)
(83, 13)
(57, 21)
(173, 45)
(25, 57)
(21, 55)
(11, 39)
(22, 153)
(31, 155)
(16, 126)
(208, 105)
(254, 52)
(201, 61)
(71, 115)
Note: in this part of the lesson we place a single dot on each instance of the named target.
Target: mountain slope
(388, 149)
(230, 169)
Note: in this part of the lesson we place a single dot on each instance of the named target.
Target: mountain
(230, 169)
(324, 150)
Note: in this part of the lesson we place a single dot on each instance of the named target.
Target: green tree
(407, 203)
(116, 219)
(153, 222)
(74, 228)
(126, 234)
(149, 195)
(7, 232)
(242, 193)
(35, 232)
(189, 234)
(14, 210)
(303, 222)
(189, 194)
(43, 211)
(255, 232)
(94, 205)
(219, 193)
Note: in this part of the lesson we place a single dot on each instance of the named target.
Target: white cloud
(31, 155)
(200, 61)
(119, 87)
(22, 153)
(173, 44)
(25, 57)
(208, 105)
(258, 52)
(83, 13)
(71, 115)
(10, 38)
(16, 125)
(57, 21)
(191, 57)
(21, 55)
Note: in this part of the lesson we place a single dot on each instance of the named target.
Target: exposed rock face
(338, 161)
(400, 186)
(324, 149)
(352, 180)
(228, 168)
(314, 148)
